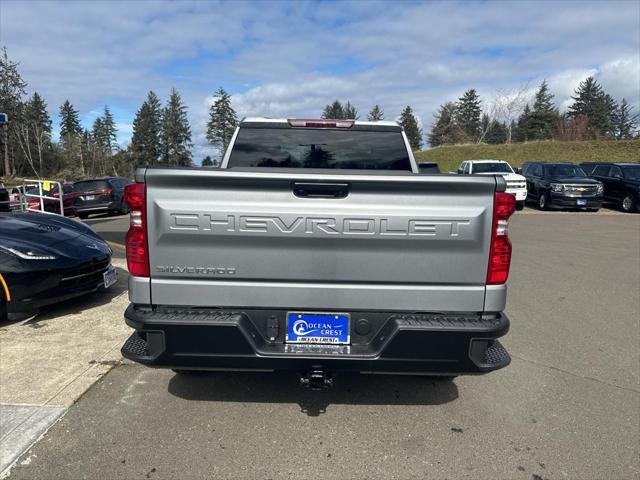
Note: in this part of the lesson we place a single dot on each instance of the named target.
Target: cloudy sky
(291, 58)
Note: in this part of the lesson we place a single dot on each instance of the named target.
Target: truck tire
(628, 203)
(520, 205)
(543, 200)
(83, 216)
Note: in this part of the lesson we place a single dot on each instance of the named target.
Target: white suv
(516, 184)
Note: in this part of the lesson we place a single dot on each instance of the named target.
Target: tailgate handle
(320, 190)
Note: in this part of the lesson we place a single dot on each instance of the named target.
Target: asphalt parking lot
(567, 407)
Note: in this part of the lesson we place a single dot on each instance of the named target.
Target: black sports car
(46, 259)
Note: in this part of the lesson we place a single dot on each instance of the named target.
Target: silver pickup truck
(318, 247)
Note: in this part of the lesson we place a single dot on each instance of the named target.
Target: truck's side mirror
(519, 170)
(459, 171)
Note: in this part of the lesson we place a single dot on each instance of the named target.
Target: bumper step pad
(496, 354)
(135, 346)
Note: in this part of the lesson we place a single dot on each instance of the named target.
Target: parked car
(14, 197)
(5, 203)
(46, 259)
(317, 248)
(561, 185)
(621, 183)
(516, 183)
(51, 205)
(428, 167)
(100, 195)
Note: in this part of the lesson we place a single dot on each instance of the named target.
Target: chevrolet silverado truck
(318, 247)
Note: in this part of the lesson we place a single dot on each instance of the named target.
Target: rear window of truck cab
(319, 148)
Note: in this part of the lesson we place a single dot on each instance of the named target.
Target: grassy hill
(450, 156)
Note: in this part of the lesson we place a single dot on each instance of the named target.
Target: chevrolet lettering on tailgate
(232, 223)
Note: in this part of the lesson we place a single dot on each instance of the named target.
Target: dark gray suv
(100, 195)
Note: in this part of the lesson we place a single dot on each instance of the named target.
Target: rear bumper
(254, 340)
(96, 208)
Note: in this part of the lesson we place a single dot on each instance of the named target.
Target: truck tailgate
(231, 238)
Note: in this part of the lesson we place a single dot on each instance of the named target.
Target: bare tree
(508, 105)
(24, 140)
(485, 125)
(572, 128)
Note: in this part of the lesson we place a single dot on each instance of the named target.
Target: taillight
(504, 204)
(136, 239)
(300, 122)
(107, 191)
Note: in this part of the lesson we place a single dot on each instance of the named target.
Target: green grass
(450, 156)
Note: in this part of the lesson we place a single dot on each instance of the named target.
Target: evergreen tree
(445, 130)
(624, 123)
(154, 124)
(375, 114)
(496, 133)
(121, 163)
(222, 121)
(523, 131)
(97, 134)
(69, 122)
(140, 145)
(36, 113)
(70, 131)
(409, 123)
(334, 111)
(145, 142)
(586, 96)
(12, 89)
(469, 112)
(176, 133)
(36, 131)
(109, 131)
(542, 120)
(100, 152)
(350, 112)
(207, 162)
(599, 107)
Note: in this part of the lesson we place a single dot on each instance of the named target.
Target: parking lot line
(22, 427)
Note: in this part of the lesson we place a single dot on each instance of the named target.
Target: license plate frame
(110, 277)
(318, 328)
(87, 198)
(581, 202)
